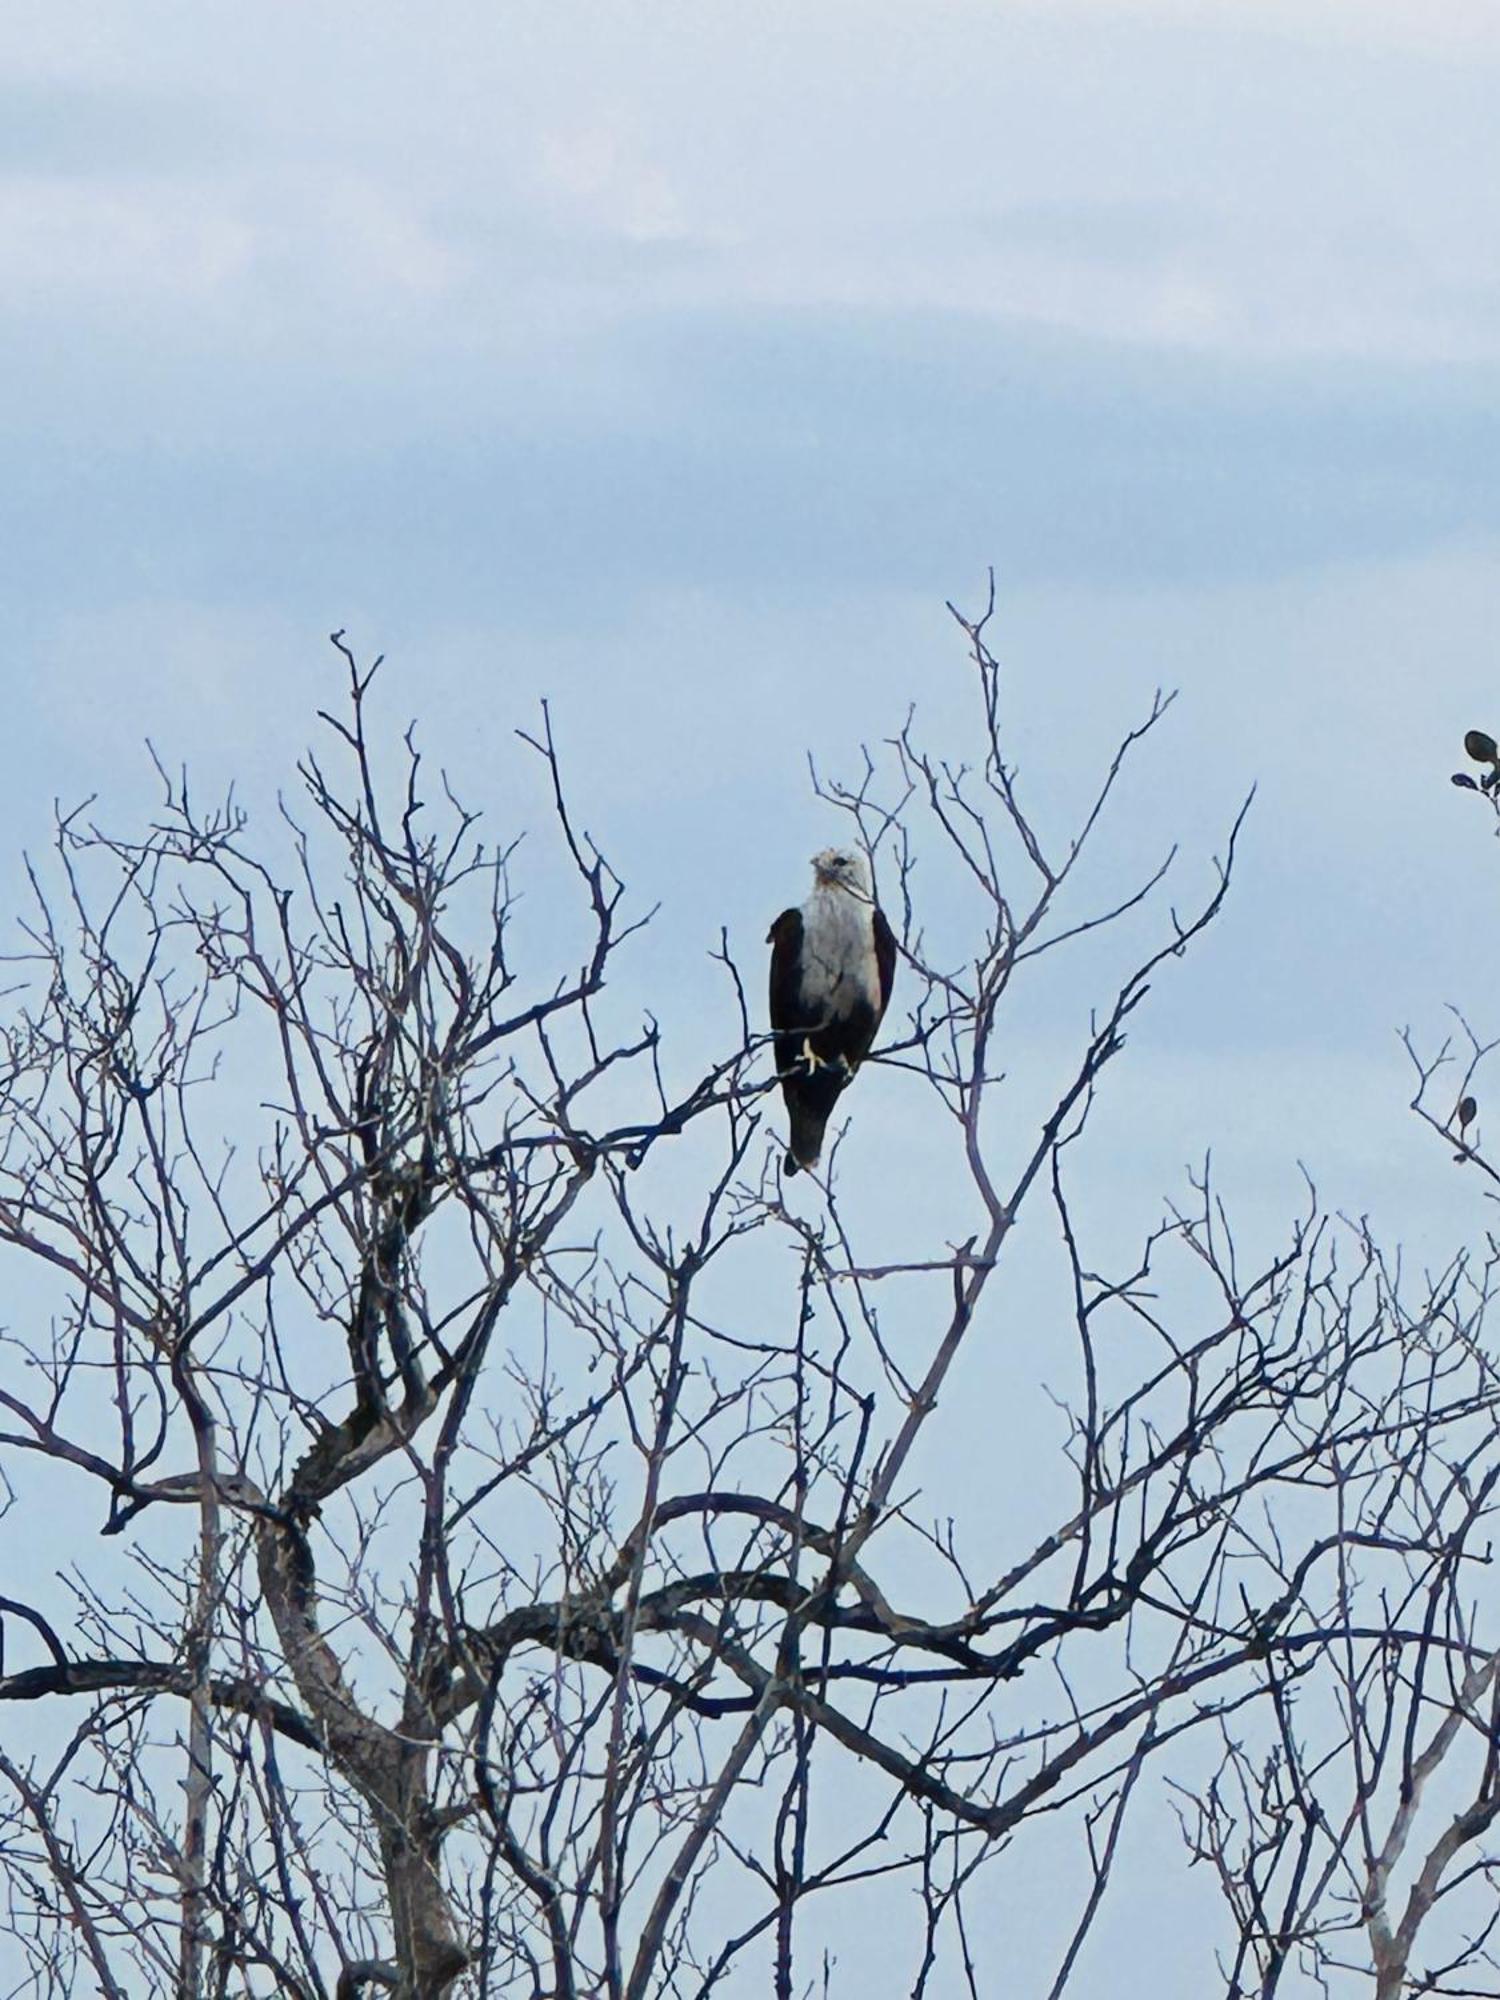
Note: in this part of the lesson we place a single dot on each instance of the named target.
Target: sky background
(677, 363)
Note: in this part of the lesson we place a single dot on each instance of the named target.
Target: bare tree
(515, 1577)
(1353, 1847)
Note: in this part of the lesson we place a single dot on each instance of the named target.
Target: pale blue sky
(678, 362)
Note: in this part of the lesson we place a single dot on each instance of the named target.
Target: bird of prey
(832, 963)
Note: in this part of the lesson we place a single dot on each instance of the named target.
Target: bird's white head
(842, 868)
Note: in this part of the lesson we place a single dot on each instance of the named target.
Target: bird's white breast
(838, 952)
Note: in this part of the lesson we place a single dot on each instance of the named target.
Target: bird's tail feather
(806, 1136)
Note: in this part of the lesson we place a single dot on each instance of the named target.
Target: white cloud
(253, 252)
(1252, 177)
(1452, 28)
(600, 175)
(69, 238)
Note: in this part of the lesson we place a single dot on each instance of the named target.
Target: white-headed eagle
(832, 963)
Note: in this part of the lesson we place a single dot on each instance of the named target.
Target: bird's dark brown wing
(885, 960)
(785, 940)
(809, 1093)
